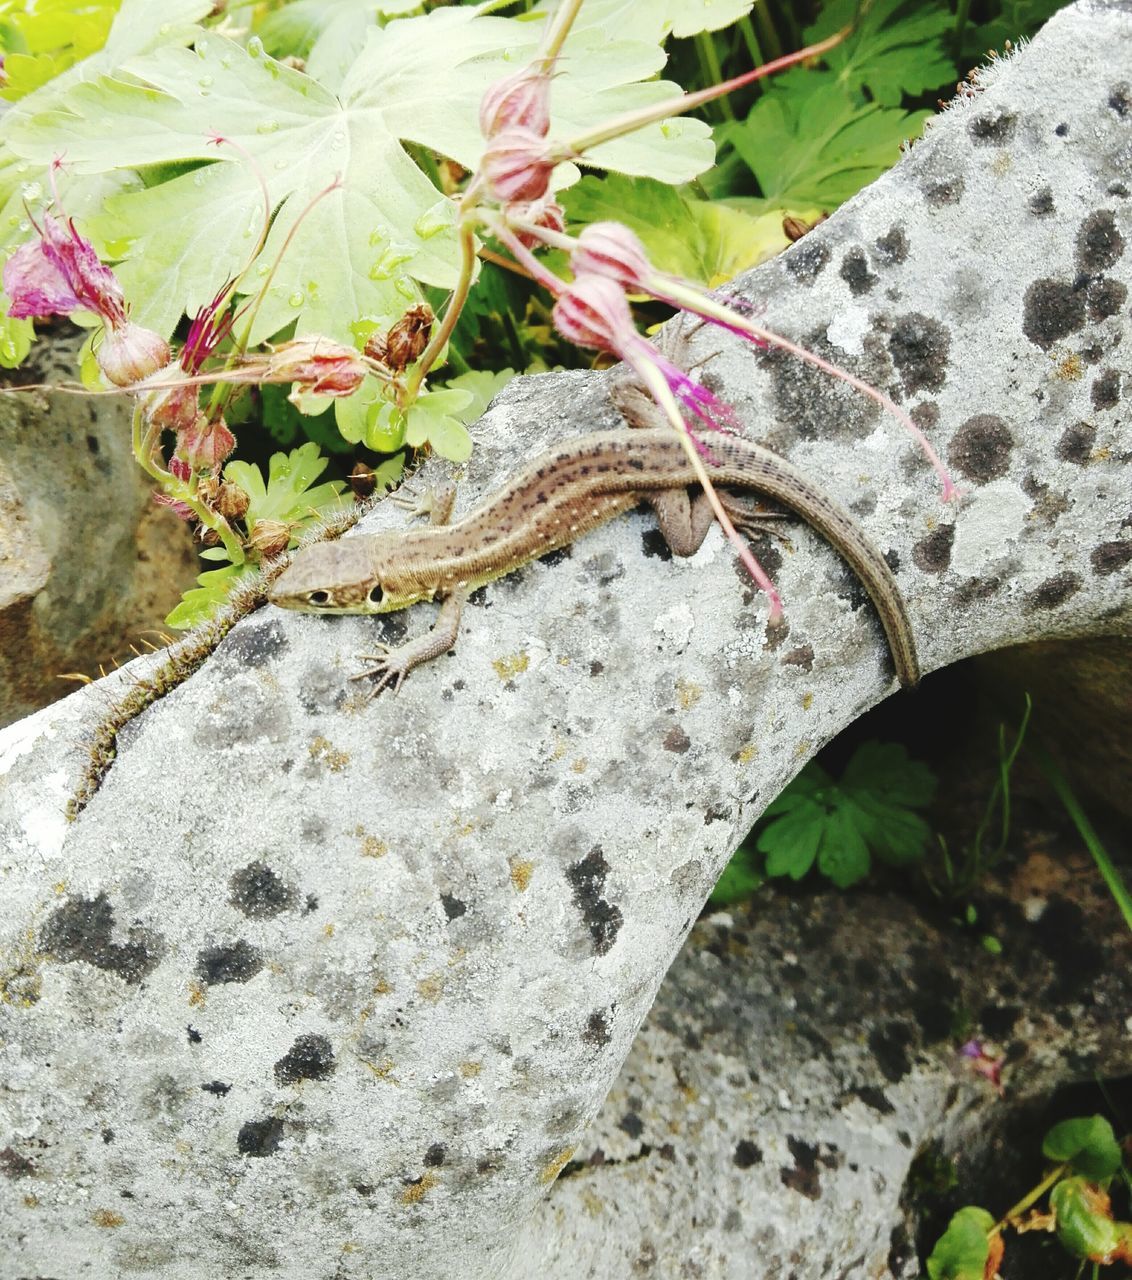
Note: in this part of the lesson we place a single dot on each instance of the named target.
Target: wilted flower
(522, 100)
(269, 537)
(175, 407)
(546, 214)
(408, 337)
(319, 365)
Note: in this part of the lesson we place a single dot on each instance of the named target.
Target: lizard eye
(375, 596)
(319, 597)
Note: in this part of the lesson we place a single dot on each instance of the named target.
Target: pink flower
(522, 99)
(209, 327)
(60, 273)
(985, 1061)
(546, 214)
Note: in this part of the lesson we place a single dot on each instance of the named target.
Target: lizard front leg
(684, 521)
(392, 665)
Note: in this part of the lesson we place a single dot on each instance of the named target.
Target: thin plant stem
(751, 41)
(445, 329)
(712, 71)
(558, 30)
(1031, 1197)
(961, 15)
(1105, 866)
(770, 40)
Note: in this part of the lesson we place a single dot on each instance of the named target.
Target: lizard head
(339, 577)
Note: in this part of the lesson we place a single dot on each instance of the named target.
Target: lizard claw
(386, 667)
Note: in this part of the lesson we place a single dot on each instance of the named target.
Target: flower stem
(444, 330)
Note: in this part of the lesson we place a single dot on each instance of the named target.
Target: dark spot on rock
(654, 544)
(804, 1177)
(1120, 189)
(1062, 131)
(919, 348)
(260, 1137)
(254, 645)
(587, 880)
(195, 1036)
(807, 260)
(676, 740)
(597, 1030)
(364, 1189)
(453, 907)
(13, 1165)
(809, 402)
(856, 274)
(596, 667)
(83, 929)
(632, 1124)
(557, 556)
(218, 1087)
(892, 247)
(309, 1058)
(998, 1020)
(1041, 203)
(1120, 98)
(391, 628)
(232, 962)
(311, 904)
(1077, 443)
(944, 192)
(259, 892)
(890, 1046)
(801, 657)
(1099, 243)
(1110, 557)
(980, 449)
(478, 598)
(746, 1154)
(1053, 591)
(993, 128)
(1105, 391)
(1105, 298)
(876, 1098)
(1052, 310)
(108, 1136)
(932, 554)
(434, 1157)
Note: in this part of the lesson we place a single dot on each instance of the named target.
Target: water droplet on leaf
(297, 298)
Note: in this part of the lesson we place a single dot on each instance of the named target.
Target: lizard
(555, 499)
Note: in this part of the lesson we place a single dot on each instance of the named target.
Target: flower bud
(543, 213)
(592, 312)
(609, 249)
(128, 353)
(520, 100)
(180, 509)
(409, 336)
(516, 165)
(173, 408)
(205, 445)
(269, 537)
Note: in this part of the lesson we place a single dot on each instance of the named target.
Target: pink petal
(36, 285)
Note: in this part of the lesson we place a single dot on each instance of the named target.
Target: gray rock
(322, 988)
(87, 564)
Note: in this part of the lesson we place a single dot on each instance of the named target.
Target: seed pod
(409, 336)
(231, 501)
(269, 537)
(363, 480)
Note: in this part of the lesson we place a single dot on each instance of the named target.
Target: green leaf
(961, 1252)
(820, 148)
(1017, 19)
(792, 841)
(810, 782)
(885, 770)
(740, 879)
(844, 855)
(201, 603)
(659, 18)
(482, 386)
(895, 49)
(16, 337)
(1084, 1220)
(435, 419)
(290, 493)
(357, 249)
(1088, 1143)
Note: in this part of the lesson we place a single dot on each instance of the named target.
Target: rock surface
(87, 563)
(321, 988)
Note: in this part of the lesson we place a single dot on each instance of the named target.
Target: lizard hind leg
(684, 521)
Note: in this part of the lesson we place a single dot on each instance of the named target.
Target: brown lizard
(557, 498)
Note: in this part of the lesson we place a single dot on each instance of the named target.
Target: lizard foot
(386, 669)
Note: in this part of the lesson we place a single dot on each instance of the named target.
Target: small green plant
(839, 827)
(1088, 1159)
